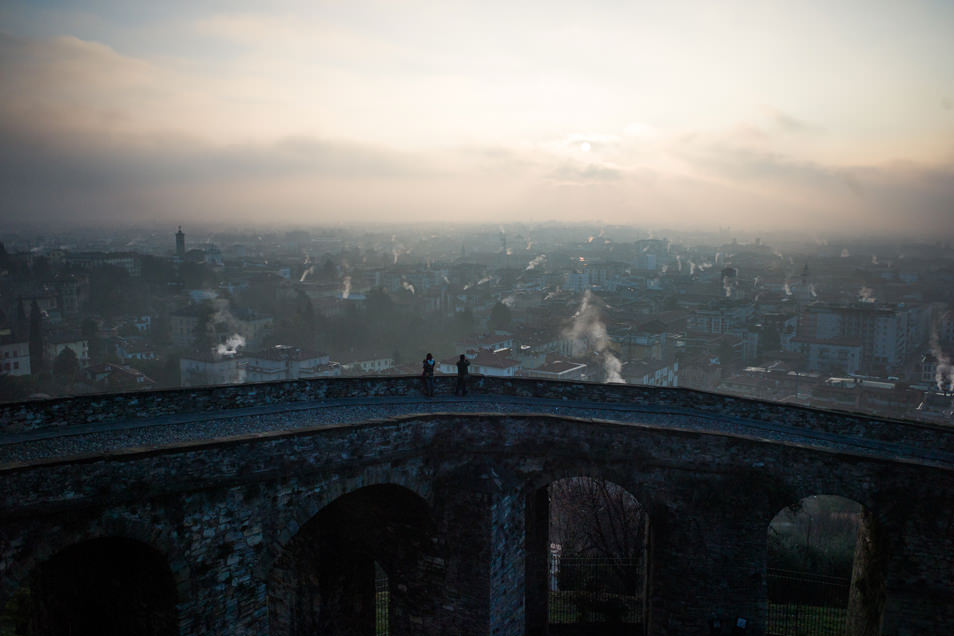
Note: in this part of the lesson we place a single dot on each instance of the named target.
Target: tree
(66, 367)
(23, 323)
(89, 328)
(36, 338)
(500, 316)
(597, 519)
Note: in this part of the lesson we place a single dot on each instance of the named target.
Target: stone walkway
(92, 439)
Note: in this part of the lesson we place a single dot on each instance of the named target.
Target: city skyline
(777, 117)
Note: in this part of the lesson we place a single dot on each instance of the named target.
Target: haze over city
(812, 117)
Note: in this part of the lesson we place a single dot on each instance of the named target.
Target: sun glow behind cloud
(772, 114)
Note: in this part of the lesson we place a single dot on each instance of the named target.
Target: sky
(807, 116)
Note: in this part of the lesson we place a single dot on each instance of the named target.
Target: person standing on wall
(462, 364)
(428, 375)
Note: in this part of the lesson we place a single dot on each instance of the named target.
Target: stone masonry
(276, 531)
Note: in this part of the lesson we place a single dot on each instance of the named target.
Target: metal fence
(806, 604)
(381, 598)
(594, 590)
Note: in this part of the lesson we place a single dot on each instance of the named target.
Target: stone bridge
(264, 509)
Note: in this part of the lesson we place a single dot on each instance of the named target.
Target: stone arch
(825, 565)
(309, 500)
(103, 586)
(594, 579)
(323, 580)
(111, 525)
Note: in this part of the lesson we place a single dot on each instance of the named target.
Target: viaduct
(263, 509)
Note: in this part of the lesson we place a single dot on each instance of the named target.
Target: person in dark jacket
(428, 375)
(462, 365)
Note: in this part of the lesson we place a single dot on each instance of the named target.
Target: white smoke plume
(874, 259)
(944, 372)
(845, 253)
(509, 301)
(305, 274)
(346, 290)
(587, 332)
(692, 268)
(679, 262)
(811, 290)
(230, 346)
(727, 286)
(787, 288)
(408, 286)
(536, 262)
(866, 294)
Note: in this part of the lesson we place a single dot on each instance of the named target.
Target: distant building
(842, 355)
(723, 317)
(284, 362)
(564, 370)
(207, 368)
(183, 324)
(128, 261)
(54, 346)
(888, 334)
(929, 374)
(180, 243)
(651, 372)
(365, 363)
(484, 362)
(118, 377)
(487, 342)
(14, 357)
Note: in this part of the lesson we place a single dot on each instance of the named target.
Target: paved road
(43, 445)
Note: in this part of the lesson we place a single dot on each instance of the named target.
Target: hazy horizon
(808, 117)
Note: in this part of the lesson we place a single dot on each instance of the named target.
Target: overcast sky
(809, 114)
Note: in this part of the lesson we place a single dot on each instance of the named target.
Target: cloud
(789, 124)
(585, 173)
(755, 165)
(910, 197)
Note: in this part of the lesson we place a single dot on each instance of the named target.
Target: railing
(381, 599)
(595, 590)
(806, 604)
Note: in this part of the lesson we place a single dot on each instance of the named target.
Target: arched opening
(586, 559)
(100, 587)
(364, 565)
(824, 569)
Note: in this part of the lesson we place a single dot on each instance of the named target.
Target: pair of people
(428, 375)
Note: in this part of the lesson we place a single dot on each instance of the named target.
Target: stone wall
(224, 512)
(65, 412)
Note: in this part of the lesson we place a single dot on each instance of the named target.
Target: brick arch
(106, 526)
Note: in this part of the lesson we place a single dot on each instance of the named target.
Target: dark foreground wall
(254, 530)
